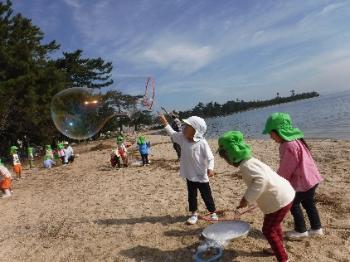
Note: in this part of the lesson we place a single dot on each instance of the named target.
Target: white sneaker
(214, 217)
(318, 232)
(296, 235)
(6, 194)
(193, 219)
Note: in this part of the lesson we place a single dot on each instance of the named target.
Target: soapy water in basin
(223, 232)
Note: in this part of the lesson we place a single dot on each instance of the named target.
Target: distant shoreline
(214, 109)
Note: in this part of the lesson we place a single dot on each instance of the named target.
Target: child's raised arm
(163, 120)
(171, 132)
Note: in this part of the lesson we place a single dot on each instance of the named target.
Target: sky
(207, 50)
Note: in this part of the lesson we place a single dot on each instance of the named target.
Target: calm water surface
(326, 116)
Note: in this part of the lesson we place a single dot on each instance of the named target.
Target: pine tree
(27, 79)
(85, 72)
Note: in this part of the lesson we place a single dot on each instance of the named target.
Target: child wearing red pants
(115, 159)
(17, 166)
(272, 193)
(123, 152)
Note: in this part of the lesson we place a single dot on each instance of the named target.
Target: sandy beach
(88, 211)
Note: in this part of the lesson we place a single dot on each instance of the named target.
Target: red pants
(17, 168)
(5, 183)
(272, 230)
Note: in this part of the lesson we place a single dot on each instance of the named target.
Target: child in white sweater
(273, 194)
(196, 163)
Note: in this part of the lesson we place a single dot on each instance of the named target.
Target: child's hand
(163, 119)
(243, 203)
(210, 173)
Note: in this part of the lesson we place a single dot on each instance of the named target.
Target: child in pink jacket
(299, 168)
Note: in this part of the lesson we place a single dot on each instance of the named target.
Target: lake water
(327, 116)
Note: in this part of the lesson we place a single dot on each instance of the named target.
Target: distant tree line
(214, 109)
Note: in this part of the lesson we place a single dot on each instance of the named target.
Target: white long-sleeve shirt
(265, 187)
(196, 157)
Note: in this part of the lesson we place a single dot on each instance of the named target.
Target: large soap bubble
(80, 112)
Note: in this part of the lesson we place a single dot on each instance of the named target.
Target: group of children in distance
(64, 152)
(119, 155)
(275, 193)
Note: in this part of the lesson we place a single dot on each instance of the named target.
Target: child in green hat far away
(49, 152)
(196, 163)
(60, 151)
(122, 150)
(272, 193)
(17, 166)
(120, 153)
(299, 168)
(48, 158)
(30, 157)
(143, 149)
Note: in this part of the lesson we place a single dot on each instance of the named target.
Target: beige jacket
(265, 187)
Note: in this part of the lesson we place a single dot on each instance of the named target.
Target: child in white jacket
(273, 194)
(196, 163)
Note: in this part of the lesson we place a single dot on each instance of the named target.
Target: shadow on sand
(164, 220)
(153, 254)
(149, 254)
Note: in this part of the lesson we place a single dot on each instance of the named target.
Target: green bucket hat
(60, 146)
(233, 143)
(120, 139)
(141, 140)
(13, 149)
(282, 124)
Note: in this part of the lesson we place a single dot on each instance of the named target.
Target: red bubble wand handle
(237, 215)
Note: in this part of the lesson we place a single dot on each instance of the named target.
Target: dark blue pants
(144, 159)
(204, 189)
(307, 200)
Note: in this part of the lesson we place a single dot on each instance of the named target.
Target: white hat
(199, 125)
(65, 143)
